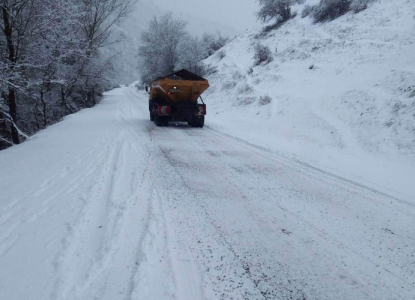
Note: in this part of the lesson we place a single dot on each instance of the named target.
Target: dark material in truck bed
(183, 75)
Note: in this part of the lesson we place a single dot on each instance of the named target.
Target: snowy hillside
(339, 95)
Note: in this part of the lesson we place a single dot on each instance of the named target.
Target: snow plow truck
(175, 98)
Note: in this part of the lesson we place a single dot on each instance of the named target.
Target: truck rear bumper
(182, 111)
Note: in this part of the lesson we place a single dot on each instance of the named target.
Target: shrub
(246, 100)
(228, 85)
(307, 10)
(236, 75)
(264, 100)
(245, 89)
(221, 54)
(209, 70)
(213, 43)
(262, 54)
(328, 10)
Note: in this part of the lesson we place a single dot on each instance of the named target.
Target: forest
(50, 60)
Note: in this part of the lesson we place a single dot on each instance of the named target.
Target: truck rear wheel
(201, 123)
(151, 116)
(198, 122)
(161, 121)
(157, 120)
(165, 121)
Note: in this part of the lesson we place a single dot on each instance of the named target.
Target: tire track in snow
(18, 207)
(154, 262)
(330, 239)
(195, 229)
(8, 238)
(32, 206)
(124, 243)
(191, 165)
(185, 271)
(320, 252)
(83, 244)
(232, 275)
(303, 167)
(109, 270)
(154, 278)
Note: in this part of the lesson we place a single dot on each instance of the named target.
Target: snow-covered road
(105, 205)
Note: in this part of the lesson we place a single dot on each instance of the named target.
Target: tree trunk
(63, 102)
(94, 101)
(4, 131)
(13, 113)
(11, 97)
(44, 111)
(88, 99)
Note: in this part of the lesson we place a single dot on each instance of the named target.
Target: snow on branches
(167, 47)
(279, 10)
(53, 62)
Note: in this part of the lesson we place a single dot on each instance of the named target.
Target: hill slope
(339, 96)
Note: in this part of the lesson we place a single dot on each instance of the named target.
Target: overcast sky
(236, 14)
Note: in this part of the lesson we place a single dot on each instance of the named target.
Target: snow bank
(339, 96)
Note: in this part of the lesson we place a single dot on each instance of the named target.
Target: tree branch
(9, 118)
(6, 141)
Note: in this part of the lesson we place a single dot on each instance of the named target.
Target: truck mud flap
(164, 110)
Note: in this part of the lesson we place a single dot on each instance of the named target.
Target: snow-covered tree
(18, 21)
(51, 60)
(159, 54)
(279, 10)
(191, 53)
(167, 47)
(328, 10)
(213, 43)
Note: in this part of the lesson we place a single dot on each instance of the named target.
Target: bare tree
(97, 23)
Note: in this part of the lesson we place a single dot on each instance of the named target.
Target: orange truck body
(175, 98)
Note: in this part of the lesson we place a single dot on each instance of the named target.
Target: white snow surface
(105, 205)
(309, 196)
(351, 114)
